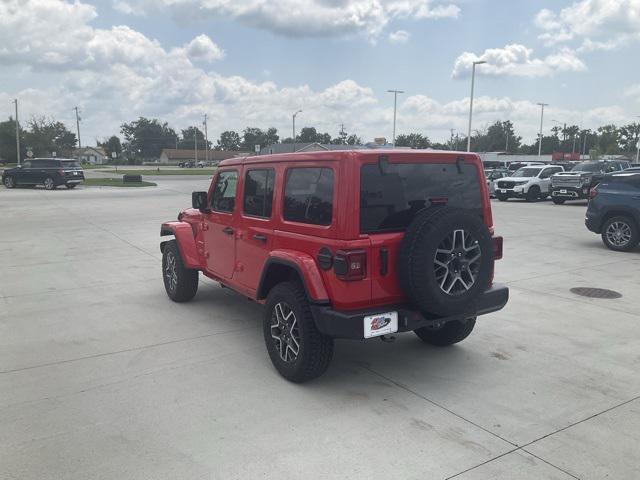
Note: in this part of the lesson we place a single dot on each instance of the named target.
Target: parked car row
(49, 172)
(193, 164)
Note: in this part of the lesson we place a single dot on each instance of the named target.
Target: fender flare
(184, 239)
(307, 270)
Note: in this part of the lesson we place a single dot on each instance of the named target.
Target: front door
(219, 226)
(25, 174)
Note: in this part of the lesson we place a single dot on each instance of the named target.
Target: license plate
(381, 324)
(563, 191)
(75, 173)
(502, 190)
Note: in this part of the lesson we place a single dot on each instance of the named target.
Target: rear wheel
(9, 182)
(448, 334)
(620, 234)
(533, 195)
(558, 201)
(296, 348)
(181, 283)
(49, 184)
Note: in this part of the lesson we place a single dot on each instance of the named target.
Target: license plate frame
(380, 324)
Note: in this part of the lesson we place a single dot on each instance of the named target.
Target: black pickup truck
(578, 182)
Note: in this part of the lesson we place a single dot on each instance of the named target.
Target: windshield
(389, 201)
(527, 172)
(587, 167)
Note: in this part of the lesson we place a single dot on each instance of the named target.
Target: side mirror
(199, 201)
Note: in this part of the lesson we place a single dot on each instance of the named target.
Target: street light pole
(637, 144)
(395, 105)
(294, 129)
(206, 140)
(18, 133)
(78, 127)
(542, 105)
(195, 141)
(473, 80)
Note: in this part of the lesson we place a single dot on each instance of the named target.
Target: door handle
(260, 238)
(228, 230)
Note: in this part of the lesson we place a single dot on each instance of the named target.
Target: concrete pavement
(102, 377)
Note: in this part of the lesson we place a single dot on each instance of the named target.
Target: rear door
(254, 237)
(390, 199)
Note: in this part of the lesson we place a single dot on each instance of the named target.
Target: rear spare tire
(445, 261)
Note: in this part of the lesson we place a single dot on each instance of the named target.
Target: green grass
(115, 182)
(154, 171)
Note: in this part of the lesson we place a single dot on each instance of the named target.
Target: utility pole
(473, 79)
(206, 140)
(395, 104)
(195, 142)
(542, 105)
(78, 127)
(17, 133)
(451, 141)
(294, 129)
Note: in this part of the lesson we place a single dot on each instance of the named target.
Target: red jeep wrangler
(343, 244)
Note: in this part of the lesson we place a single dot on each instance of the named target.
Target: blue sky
(254, 62)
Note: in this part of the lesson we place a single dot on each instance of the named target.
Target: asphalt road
(102, 377)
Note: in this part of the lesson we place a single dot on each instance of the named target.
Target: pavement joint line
(581, 301)
(523, 447)
(551, 464)
(126, 350)
(482, 463)
(413, 392)
(571, 270)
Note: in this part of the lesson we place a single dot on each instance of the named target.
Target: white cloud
(593, 24)
(401, 36)
(517, 60)
(302, 18)
(633, 91)
(203, 48)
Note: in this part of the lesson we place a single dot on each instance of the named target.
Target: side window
(547, 173)
(223, 198)
(37, 164)
(258, 192)
(308, 195)
(26, 164)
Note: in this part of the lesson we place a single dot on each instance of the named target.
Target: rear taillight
(593, 193)
(350, 264)
(497, 247)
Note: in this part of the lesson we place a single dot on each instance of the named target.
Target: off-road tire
(534, 194)
(49, 183)
(558, 201)
(9, 182)
(70, 186)
(448, 334)
(186, 281)
(417, 266)
(315, 350)
(633, 229)
(502, 197)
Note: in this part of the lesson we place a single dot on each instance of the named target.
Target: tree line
(145, 138)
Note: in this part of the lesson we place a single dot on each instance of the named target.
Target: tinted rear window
(70, 164)
(308, 195)
(390, 201)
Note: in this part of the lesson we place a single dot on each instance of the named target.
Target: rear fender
(307, 270)
(186, 243)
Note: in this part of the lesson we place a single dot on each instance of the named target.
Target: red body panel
(238, 259)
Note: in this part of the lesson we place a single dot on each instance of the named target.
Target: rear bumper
(593, 222)
(351, 324)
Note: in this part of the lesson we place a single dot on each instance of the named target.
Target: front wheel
(9, 182)
(296, 348)
(450, 333)
(503, 197)
(533, 194)
(181, 283)
(71, 186)
(49, 184)
(558, 201)
(620, 234)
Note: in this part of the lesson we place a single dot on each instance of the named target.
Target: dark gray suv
(49, 172)
(614, 210)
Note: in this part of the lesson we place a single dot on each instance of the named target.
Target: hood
(518, 179)
(574, 174)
